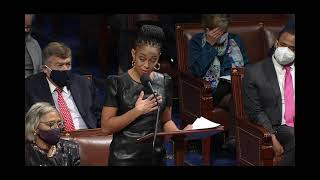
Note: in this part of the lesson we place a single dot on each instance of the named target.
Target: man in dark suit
(268, 94)
(73, 95)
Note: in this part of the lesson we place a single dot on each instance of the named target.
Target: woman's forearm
(170, 126)
(116, 123)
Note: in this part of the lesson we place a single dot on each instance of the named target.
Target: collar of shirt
(53, 87)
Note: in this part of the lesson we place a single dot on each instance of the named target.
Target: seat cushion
(94, 150)
(94, 146)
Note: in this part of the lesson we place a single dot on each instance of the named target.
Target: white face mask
(284, 55)
(223, 38)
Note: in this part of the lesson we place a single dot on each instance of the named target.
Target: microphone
(146, 82)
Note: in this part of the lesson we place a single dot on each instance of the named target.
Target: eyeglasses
(52, 124)
(292, 48)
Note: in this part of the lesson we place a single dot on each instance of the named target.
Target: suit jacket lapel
(273, 79)
(46, 90)
(76, 96)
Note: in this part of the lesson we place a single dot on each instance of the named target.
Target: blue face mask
(51, 137)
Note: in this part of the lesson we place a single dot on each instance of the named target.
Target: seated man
(212, 54)
(269, 95)
(73, 95)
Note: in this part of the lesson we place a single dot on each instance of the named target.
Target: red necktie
(64, 111)
(289, 98)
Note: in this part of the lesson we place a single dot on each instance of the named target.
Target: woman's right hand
(147, 105)
(214, 35)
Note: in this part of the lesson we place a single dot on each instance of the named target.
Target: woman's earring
(132, 63)
(34, 139)
(157, 68)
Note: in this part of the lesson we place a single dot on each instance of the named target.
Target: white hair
(33, 117)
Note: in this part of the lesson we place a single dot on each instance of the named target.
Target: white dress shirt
(281, 72)
(66, 94)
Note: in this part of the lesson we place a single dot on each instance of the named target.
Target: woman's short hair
(33, 117)
(150, 35)
(212, 21)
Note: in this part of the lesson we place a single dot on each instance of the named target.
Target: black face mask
(61, 78)
(52, 136)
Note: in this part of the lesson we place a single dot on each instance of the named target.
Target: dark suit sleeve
(252, 101)
(95, 108)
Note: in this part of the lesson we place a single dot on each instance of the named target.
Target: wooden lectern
(180, 138)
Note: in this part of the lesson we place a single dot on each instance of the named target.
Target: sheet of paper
(203, 123)
(226, 77)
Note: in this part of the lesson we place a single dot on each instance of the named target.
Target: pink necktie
(64, 111)
(289, 98)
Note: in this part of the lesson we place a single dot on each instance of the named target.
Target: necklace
(52, 151)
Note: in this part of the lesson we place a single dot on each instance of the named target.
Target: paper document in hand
(226, 77)
(203, 123)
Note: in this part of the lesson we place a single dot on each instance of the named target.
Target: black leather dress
(123, 92)
(67, 155)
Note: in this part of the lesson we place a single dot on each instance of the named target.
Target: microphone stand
(155, 131)
(146, 81)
